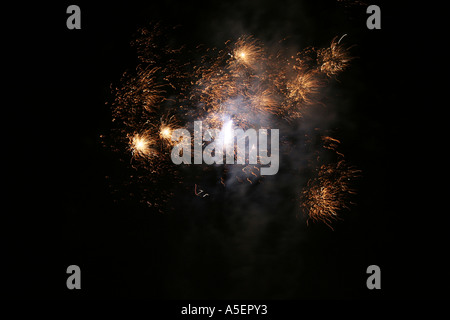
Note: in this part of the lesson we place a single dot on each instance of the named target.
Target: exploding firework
(165, 129)
(141, 146)
(247, 52)
(334, 59)
(328, 192)
(302, 89)
(244, 85)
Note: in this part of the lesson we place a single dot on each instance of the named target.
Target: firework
(328, 192)
(243, 85)
(140, 92)
(247, 52)
(334, 59)
(166, 127)
(303, 88)
(141, 146)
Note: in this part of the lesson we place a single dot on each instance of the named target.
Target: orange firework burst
(166, 127)
(329, 192)
(141, 90)
(247, 51)
(141, 146)
(303, 88)
(243, 85)
(165, 133)
(334, 59)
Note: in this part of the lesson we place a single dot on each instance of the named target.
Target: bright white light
(227, 132)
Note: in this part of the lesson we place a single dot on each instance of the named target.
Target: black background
(61, 211)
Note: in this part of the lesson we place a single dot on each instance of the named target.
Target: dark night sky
(64, 212)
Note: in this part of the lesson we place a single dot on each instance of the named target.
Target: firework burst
(244, 85)
(334, 59)
(247, 52)
(327, 193)
(141, 146)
